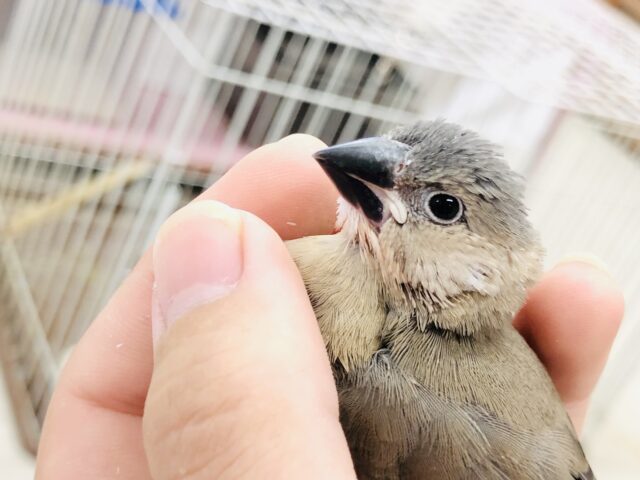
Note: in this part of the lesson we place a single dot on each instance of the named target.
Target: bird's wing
(421, 435)
(501, 451)
(588, 475)
(549, 454)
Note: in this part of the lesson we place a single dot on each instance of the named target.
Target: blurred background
(114, 113)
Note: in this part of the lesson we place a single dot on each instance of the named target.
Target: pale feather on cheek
(445, 261)
(445, 265)
(447, 272)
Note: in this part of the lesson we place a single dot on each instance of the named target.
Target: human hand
(241, 385)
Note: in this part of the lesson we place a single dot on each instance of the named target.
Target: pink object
(95, 136)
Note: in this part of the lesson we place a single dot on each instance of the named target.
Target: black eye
(444, 208)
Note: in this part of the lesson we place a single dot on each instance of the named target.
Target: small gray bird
(415, 296)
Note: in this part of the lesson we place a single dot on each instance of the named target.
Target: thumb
(241, 386)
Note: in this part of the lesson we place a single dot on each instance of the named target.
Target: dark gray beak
(355, 167)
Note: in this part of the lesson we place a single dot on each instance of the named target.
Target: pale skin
(242, 387)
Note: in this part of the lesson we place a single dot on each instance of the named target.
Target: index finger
(280, 183)
(284, 186)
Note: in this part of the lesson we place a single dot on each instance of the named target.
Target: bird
(414, 295)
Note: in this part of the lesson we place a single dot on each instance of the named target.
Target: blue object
(169, 7)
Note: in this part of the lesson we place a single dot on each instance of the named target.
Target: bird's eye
(444, 208)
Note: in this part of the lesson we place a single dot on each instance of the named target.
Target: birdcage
(113, 113)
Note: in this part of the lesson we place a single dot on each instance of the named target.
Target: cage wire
(114, 113)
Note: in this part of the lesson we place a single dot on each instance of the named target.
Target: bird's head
(442, 215)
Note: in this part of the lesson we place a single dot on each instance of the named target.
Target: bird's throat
(344, 292)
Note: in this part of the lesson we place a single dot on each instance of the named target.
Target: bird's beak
(364, 171)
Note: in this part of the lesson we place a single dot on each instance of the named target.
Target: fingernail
(587, 258)
(197, 259)
(599, 268)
